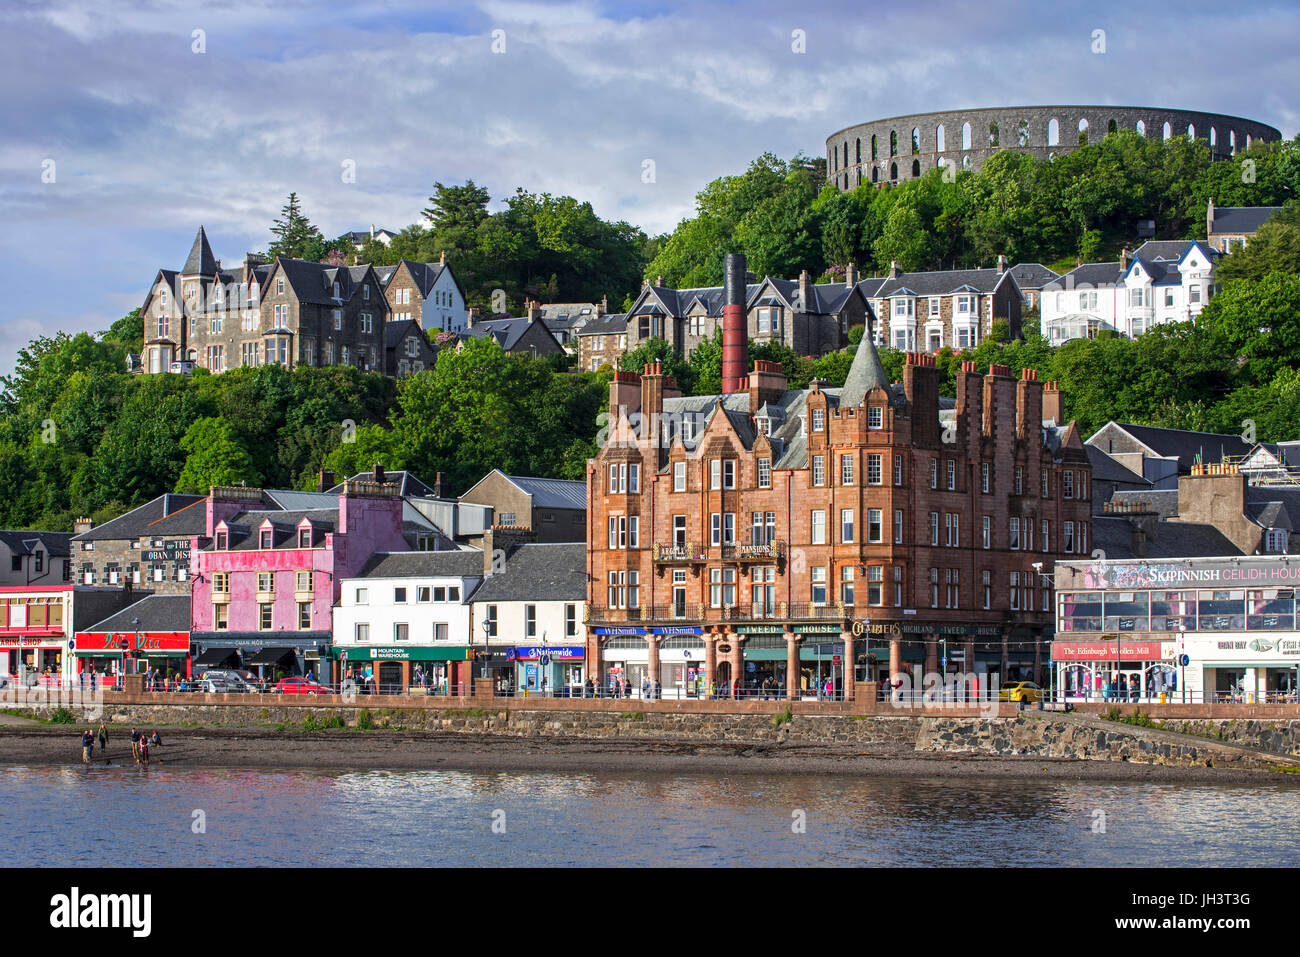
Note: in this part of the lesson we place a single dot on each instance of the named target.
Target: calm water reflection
(72, 816)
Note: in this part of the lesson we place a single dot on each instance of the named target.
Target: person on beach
(144, 752)
(87, 745)
(135, 745)
(103, 737)
(155, 740)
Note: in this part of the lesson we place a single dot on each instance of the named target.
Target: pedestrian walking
(144, 752)
(87, 745)
(588, 688)
(135, 745)
(103, 737)
(645, 687)
(659, 690)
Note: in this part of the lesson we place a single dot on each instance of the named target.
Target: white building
(425, 292)
(533, 606)
(409, 610)
(1164, 281)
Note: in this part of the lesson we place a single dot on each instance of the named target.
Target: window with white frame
(817, 527)
(819, 470)
(846, 526)
(679, 476)
(764, 472)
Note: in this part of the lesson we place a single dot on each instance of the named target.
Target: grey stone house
(427, 293)
(555, 510)
(147, 547)
(522, 335)
(925, 311)
(406, 350)
(289, 312)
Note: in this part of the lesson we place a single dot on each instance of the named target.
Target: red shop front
(115, 653)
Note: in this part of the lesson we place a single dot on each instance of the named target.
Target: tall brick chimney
(1029, 404)
(652, 401)
(1053, 405)
(767, 383)
(921, 386)
(735, 332)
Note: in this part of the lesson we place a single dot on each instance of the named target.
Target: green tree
(216, 457)
(295, 236)
(457, 207)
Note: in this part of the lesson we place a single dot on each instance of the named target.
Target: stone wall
(1083, 738)
(1230, 136)
(1280, 737)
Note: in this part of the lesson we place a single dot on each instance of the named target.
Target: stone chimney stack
(851, 275)
(1002, 263)
(82, 525)
(377, 473)
(442, 258)
(893, 269)
(472, 316)
(1053, 404)
(440, 485)
(324, 480)
(534, 311)
(1209, 218)
(805, 291)
(767, 383)
(603, 308)
(1123, 259)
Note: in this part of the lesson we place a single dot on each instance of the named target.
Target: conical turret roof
(201, 262)
(865, 374)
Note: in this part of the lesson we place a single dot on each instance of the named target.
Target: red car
(300, 686)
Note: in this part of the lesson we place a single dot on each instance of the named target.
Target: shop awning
(765, 654)
(97, 654)
(215, 656)
(166, 653)
(271, 656)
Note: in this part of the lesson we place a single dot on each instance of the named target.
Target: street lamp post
(135, 623)
(1182, 671)
(487, 630)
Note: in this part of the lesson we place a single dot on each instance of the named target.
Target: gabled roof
(605, 326)
(1107, 469)
(167, 515)
(545, 492)
(1087, 275)
(1033, 275)
(1186, 446)
(941, 282)
(284, 524)
(21, 542)
(466, 563)
(507, 332)
(200, 261)
(539, 572)
(395, 332)
(1241, 219)
(407, 484)
(156, 613)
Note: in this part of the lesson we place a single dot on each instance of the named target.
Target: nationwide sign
(1106, 650)
(570, 651)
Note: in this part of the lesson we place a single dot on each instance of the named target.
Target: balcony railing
(704, 612)
(695, 552)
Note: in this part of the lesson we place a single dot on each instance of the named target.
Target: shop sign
(619, 630)
(1129, 575)
(724, 649)
(760, 630)
(1259, 648)
(416, 653)
(539, 651)
(677, 630)
(133, 641)
(888, 629)
(13, 641)
(817, 629)
(178, 551)
(1106, 650)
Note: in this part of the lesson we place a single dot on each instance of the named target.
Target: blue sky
(149, 138)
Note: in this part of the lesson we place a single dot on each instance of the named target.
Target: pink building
(266, 579)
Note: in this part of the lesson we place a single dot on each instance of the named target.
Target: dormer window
(337, 293)
(264, 538)
(763, 424)
(223, 541)
(304, 538)
(818, 420)
(875, 417)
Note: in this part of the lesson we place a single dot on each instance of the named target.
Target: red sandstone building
(784, 534)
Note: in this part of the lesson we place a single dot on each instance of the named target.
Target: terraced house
(764, 532)
(811, 318)
(289, 312)
(925, 311)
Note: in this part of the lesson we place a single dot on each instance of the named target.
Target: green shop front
(765, 654)
(988, 644)
(401, 669)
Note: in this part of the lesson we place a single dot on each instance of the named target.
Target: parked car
(229, 677)
(300, 686)
(1022, 692)
(208, 685)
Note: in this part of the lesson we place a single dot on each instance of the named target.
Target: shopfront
(766, 659)
(407, 669)
(306, 653)
(32, 635)
(681, 662)
(1226, 627)
(679, 650)
(1131, 670)
(35, 656)
(110, 654)
(549, 669)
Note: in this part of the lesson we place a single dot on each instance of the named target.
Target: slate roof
(467, 563)
(826, 298)
(1107, 469)
(1114, 536)
(1242, 219)
(1089, 274)
(363, 235)
(552, 493)
(407, 484)
(244, 526)
(539, 572)
(167, 515)
(200, 260)
(1162, 501)
(21, 542)
(1187, 446)
(941, 282)
(1032, 275)
(395, 332)
(865, 373)
(605, 326)
(1272, 506)
(507, 332)
(156, 613)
